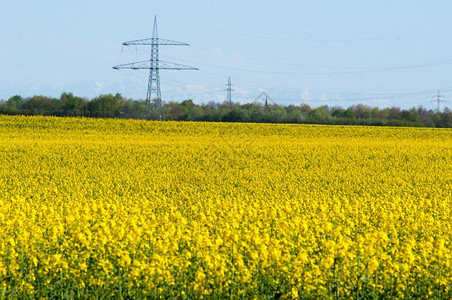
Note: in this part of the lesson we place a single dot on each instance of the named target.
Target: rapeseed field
(95, 208)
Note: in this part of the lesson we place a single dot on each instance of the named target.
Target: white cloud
(218, 52)
(305, 94)
(197, 88)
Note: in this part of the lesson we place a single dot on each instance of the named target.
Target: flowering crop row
(121, 208)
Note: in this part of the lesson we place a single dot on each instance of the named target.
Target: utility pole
(438, 101)
(229, 90)
(154, 65)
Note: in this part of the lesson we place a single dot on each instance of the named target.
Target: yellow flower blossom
(138, 209)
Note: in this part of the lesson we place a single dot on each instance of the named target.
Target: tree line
(117, 106)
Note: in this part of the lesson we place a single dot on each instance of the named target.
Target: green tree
(72, 106)
(319, 114)
(40, 105)
(13, 106)
(237, 114)
(411, 117)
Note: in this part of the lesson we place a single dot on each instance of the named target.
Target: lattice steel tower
(229, 89)
(154, 65)
(438, 101)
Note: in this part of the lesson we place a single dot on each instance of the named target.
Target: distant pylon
(438, 101)
(267, 98)
(154, 65)
(229, 90)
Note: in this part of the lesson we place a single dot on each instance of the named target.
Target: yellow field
(120, 209)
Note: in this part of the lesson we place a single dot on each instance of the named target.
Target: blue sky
(339, 53)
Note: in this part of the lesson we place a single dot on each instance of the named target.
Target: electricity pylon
(154, 65)
(438, 101)
(229, 89)
(267, 97)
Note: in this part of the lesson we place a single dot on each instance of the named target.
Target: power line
(345, 72)
(162, 65)
(297, 39)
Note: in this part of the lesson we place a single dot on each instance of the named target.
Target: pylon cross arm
(154, 41)
(134, 66)
(162, 65)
